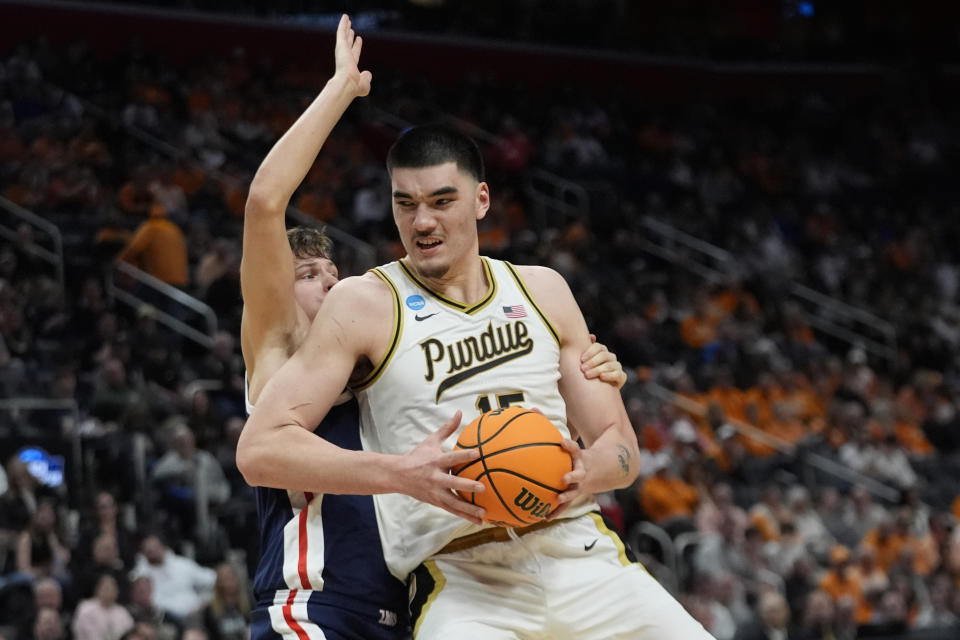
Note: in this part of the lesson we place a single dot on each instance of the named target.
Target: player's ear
(482, 199)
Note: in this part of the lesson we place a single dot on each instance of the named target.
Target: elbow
(263, 200)
(627, 479)
(250, 463)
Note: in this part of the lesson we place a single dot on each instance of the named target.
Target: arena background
(755, 204)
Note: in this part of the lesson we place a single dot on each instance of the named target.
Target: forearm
(290, 457)
(291, 157)
(612, 461)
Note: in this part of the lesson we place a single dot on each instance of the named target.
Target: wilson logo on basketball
(532, 504)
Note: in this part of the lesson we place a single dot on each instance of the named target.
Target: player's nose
(423, 219)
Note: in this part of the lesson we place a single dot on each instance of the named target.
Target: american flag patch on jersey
(515, 311)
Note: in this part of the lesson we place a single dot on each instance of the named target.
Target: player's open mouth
(426, 245)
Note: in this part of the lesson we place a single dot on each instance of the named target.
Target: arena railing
(55, 256)
(813, 459)
(829, 315)
(550, 193)
(649, 530)
(119, 293)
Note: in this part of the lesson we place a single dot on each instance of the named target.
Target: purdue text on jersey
(493, 347)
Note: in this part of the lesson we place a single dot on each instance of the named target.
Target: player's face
(436, 211)
(314, 276)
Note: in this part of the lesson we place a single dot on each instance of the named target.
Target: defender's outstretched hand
(425, 473)
(347, 55)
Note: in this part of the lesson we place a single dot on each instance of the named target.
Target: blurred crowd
(136, 159)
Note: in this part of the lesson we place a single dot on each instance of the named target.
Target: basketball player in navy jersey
(322, 572)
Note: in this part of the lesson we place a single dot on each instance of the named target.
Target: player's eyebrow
(442, 191)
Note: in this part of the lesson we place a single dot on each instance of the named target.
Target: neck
(464, 282)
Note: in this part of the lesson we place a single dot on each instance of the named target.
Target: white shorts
(572, 580)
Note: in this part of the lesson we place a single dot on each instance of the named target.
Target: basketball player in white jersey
(446, 330)
(322, 569)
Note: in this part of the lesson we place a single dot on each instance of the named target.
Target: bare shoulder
(366, 290)
(552, 294)
(542, 281)
(353, 317)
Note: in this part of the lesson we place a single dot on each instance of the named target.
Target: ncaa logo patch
(416, 302)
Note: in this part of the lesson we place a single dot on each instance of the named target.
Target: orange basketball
(521, 465)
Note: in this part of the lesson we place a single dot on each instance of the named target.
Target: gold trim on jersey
(439, 582)
(605, 530)
(526, 294)
(459, 306)
(394, 342)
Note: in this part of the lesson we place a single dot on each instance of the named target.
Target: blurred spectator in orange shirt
(730, 398)
(765, 394)
(909, 433)
(189, 178)
(785, 425)
(699, 328)
(873, 579)
(753, 445)
(735, 300)
(800, 394)
(765, 514)
(159, 248)
(319, 203)
(843, 581)
(886, 542)
(666, 498)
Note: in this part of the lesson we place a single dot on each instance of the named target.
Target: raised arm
(278, 447)
(267, 272)
(611, 457)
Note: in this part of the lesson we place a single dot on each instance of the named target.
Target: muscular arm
(278, 448)
(611, 457)
(271, 315)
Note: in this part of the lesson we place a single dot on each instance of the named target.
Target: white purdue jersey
(447, 356)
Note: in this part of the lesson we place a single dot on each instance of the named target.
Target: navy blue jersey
(321, 553)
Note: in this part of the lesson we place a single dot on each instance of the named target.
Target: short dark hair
(433, 144)
(309, 242)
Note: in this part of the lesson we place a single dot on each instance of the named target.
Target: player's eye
(443, 202)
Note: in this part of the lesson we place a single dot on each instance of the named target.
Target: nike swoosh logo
(587, 547)
(420, 318)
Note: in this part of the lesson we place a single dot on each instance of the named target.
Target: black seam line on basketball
(495, 433)
(505, 505)
(513, 448)
(479, 441)
(492, 485)
(502, 427)
(511, 472)
(457, 378)
(480, 451)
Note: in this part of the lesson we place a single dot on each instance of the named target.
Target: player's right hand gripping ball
(521, 465)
